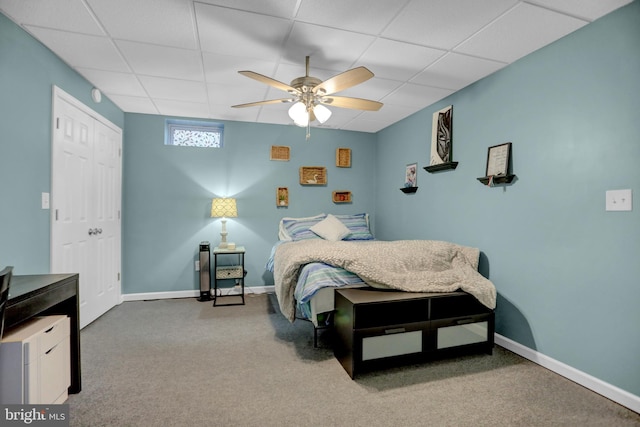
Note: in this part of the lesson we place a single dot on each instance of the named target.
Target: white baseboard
(607, 390)
(193, 293)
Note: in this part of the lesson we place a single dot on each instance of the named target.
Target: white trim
(193, 293)
(607, 390)
(59, 92)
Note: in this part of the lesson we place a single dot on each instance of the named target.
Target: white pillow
(330, 228)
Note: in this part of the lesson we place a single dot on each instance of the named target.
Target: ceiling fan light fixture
(299, 115)
(308, 92)
(322, 113)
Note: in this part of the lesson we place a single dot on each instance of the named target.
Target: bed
(317, 254)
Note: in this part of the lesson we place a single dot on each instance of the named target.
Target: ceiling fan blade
(354, 103)
(269, 81)
(343, 81)
(270, 101)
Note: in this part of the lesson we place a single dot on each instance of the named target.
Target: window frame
(171, 125)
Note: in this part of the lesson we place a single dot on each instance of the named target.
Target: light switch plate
(619, 200)
(45, 200)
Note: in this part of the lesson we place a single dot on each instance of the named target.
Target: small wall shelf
(441, 167)
(505, 179)
(409, 190)
(343, 157)
(280, 152)
(282, 196)
(341, 196)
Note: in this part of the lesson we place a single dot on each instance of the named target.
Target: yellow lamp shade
(224, 208)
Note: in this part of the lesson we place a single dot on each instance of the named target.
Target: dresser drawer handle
(394, 331)
(51, 349)
(50, 329)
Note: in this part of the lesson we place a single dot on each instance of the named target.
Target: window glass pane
(194, 134)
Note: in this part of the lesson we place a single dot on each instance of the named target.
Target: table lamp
(224, 208)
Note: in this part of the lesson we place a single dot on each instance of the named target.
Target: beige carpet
(185, 363)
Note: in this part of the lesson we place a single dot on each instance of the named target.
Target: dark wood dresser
(378, 328)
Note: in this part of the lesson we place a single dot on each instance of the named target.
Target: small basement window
(190, 133)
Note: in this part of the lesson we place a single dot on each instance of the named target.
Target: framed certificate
(498, 160)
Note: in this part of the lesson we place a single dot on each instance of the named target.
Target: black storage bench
(378, 328)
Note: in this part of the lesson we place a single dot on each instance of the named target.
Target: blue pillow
(358, 226)
(299, 228)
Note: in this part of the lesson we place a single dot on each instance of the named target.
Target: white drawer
(54, 372)
(54, 334)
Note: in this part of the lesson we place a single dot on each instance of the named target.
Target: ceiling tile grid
(182, 57)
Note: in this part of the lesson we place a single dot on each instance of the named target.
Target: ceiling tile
(163, 22)
(412, 95)
(444, 23)
(233, 32)
(375, 89)
(393, 113)
(455, 71)
(181, 108)
(133, 104)
(328, 48)
(233, 95)
(362, 16)
(223, 112)
(223, 69)
(115, 83)
(585, 9)
(79, 50)
(363, 125)
(162, 61)
(54, 14)
(397, 61)
(173, 89)
(281, 8)
(524, 29)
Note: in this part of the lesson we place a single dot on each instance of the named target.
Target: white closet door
(86, 194)
(107, 149)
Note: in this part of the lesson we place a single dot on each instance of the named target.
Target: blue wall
(566, 271)
(168, 191)
(28, 70)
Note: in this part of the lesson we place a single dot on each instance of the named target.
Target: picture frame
(498, 158)
(411, 176)
(441, 137)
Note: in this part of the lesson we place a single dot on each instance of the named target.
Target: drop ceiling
(181, 57)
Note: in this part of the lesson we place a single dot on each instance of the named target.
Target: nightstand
(228, 264)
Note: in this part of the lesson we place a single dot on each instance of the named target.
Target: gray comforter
(407, 265)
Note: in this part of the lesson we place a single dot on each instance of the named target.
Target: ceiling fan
(310, 93)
